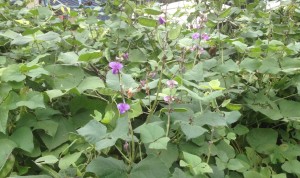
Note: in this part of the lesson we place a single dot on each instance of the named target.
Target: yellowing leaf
(109, 115)
(215, 85)
(23, 22)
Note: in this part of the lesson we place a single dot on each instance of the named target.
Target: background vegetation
(215, 95)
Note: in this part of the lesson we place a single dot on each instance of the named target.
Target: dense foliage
(147, 94)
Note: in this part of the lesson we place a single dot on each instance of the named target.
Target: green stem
(153, 107)
(209, 146)
(124, 156)
(168, 122)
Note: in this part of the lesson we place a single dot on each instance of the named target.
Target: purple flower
(172, 83)
(116, 67)
(125, 56)
(169, 99)
(205, 36)
(196, 36)
(123, 107)
(161, 20)
(143, 83)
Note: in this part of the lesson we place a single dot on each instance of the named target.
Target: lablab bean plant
(206, 91)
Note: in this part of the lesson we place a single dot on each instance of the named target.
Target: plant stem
(168, 122)
(124, 156)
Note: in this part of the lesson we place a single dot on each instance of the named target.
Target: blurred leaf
(196, 73)
(240, 47)
(264, 144)
(147, 22)
(174, 32)
(192, 131)
(93, 131)
(90, 83)
(149, 167)
(107, 167)
(161, 143)
(7, 147)
(49, 159)
(153, 11)
(151, 133)
(68, 160)
(291, 166)
(195, 164)
(90, 56)
(64, 77)
(23, 137)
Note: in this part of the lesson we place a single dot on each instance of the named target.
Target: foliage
(146, 94)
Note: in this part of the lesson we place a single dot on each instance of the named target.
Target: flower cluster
(204, 36)
(171, 84)
(116, 67)
(123, 107)
(161, 20)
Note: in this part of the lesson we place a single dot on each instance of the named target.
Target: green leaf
(136, 55)
(210, 118)
(149, 167)
(49, 159)
(88, 56)
(264, 144)
(23, 137)
(68, 58)
(97, 116)
(282, 175)
(68, 160)
(240, 47)
(192, 131)
(3, 120)
(93, 131)
(178, 173)
(21, 40)
(135, 110)
(195, 164)
(12, 73)
(228, 66)
(105, 143)
(289, 109)
(240, 129)
(49, 126)
(112, 81)
(64, 77)
(215, 85)
(161, 143)
(90, 83)
(151, 133)
(269, 66)
(291, 166)
(232, 117)
(252, 174)
(237, 165)
(109, 115)
(225, 151)
(153, 11)
(174, 32)
(61, 136)
(54, 94)
(7, 147)
(107, 167)
(32, 100)
(147, 22)
(168, 156)
(49, 36)
(195, 74)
